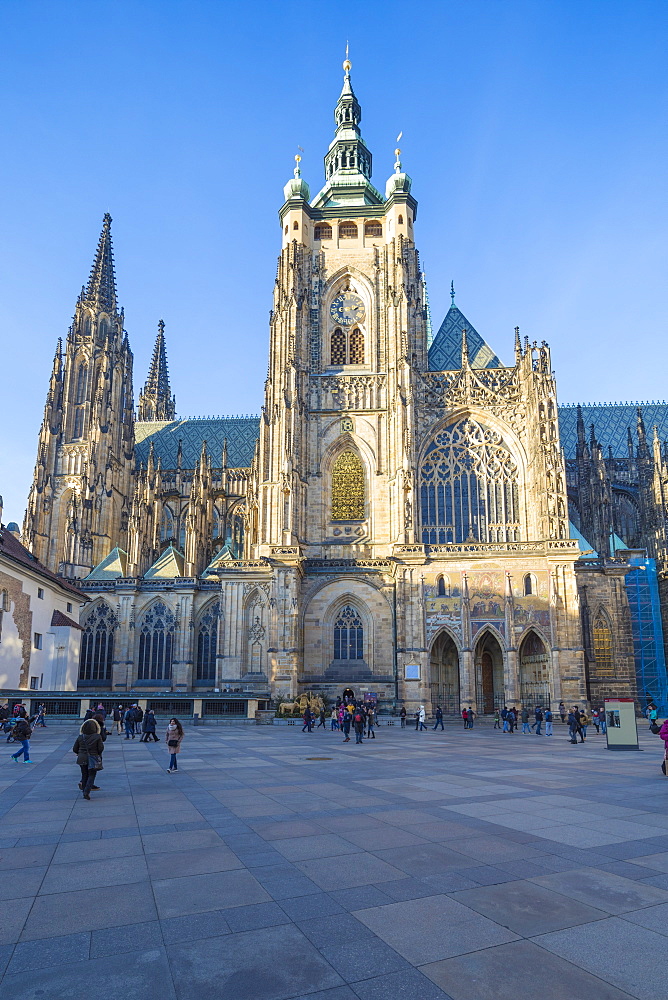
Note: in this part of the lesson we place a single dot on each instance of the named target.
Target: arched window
(468, 487)
(104, 329)
(207, 641)
(295, 225)
(348, 488)
(82, 381)
(602, 644)
(166, 525)
(530, 585)
(400, 220)
(97, 644)
(156, 644)
(182, 533)
(373, 229)
(217, 524)
(78, 422)
(348, 635)
(4, 600)
(323, 231)
(356, 353)
(338, 348)
(443, 586)
(347, 231)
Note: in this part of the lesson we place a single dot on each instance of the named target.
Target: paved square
(277, 865)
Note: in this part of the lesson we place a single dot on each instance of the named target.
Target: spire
(465, 350)
(156, 401)
(643, 451)
(518, 345)
(101, 290)
(452, 295)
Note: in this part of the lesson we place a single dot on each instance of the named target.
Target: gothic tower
(78, 504)
(155, 400)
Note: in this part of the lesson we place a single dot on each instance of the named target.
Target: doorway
(489, 673)
(444, 674)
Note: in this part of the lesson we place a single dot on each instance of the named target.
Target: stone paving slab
(416, 865)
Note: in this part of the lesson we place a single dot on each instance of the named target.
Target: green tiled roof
(241, 434)
(445, 353)
(611, 421)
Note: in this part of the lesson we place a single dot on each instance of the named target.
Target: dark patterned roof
(445, 353)
(611, 421)
(241, 434)
(13, 549)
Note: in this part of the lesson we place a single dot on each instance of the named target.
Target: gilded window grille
(323, 232)
(602, 645)
(356, 348)
(348, 488)
(338, 348)
(373, 229)
(348, 231)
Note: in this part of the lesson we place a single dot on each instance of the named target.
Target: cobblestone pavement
(277, 864)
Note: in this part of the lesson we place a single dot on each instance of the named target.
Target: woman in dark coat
(148, 727)
(88, 743)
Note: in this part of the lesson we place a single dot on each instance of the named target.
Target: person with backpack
(358, 722)
(129, 722)
(548, 722)
(439, 718)
(512, 720)
(173, 739)
(470, 716)
(22, 732)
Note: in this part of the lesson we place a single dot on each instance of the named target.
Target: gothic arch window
(207, 642)
(356, 348)
(217, 524)
(166, 525)
(348, 635)
(82, 381)
(602, 634)
(373, 229)
(97, 644)
(156, 644)
(400, 220)
(295, 225)
(347, 231)
(323, 231)
(338, 351)
(182, 532)
(348, 488)
(530, 585)
(442, 586)
(104, 329)
(468, 487)
(78, 422)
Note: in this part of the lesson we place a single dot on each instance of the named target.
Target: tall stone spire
(101, 288)
(155, 400)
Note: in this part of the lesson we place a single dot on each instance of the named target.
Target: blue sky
(535, 133)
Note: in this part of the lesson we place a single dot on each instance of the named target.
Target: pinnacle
(101, 288)
(156, 401)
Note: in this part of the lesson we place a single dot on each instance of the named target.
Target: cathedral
(407, 519)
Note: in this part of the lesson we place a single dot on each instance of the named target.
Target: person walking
(512, 720)
(334, 720)
(308, 720)
(129, 722)
(422, 715)
(173, 739)
(117, 716)
(402, 716)
(602, 719)
(358, 723)
(652, 715)
(539, 720)
(574, 725)
(526, 729)
(548, 722)
(347, 719)
(22, 732)
(371, 723)
(497, 720)
(470, 716)
(148, 727)
(584, 722)
(562, 711)
(89, 747)
(439, 718)
(139, 717)
(465, 718)
(595, 719)
(321, 719)
(41, 712)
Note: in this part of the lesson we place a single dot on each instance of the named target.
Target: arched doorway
(534, 671)
(489, 673)
(444, 674)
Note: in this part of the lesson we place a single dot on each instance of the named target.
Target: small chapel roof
(167, 566)
(113, 567)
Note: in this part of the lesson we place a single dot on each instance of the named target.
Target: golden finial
(347, 65)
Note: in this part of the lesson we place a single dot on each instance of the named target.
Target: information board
(621, 728)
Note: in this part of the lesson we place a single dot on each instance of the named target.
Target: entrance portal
(489, 673)
(444, 675)
(534, 672)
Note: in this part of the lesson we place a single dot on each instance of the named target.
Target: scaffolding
(642, 587)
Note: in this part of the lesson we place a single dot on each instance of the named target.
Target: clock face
(347, 309)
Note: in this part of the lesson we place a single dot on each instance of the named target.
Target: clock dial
(347, 309)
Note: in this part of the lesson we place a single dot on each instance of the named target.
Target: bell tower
(348, 330)
(77, 508)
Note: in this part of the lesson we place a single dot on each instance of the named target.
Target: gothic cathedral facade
(386, 526)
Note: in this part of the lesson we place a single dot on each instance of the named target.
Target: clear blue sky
(535, 133)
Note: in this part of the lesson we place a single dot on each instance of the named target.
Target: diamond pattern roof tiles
(611, 421)
(241, 434)
(445, 353)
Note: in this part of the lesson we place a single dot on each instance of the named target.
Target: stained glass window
(602, 645)
(348, 635)
(348, 488)
(207, 641)
(156, 644)
(468, 487)
(97, 644)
